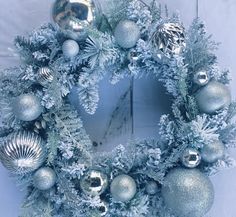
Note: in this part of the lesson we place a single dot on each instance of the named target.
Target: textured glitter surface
(188, 192)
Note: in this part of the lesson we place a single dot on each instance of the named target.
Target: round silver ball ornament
(168, 39)
(44, 178)
(127, 34)
(201, 78)
(103, 209)
(72, 16)
(191, 157)
(151, 187)
(70, 48)
(45, 76)
(188, 192)
(27, 107)
(213, 97)
(94, 183)
(22, 152)
(123, 188)
(213, 151)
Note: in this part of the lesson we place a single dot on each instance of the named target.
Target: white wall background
(19, 17)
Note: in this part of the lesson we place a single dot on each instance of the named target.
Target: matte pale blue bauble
(127, 33)
(213, 151)
(188, 192)
(123, 188)
(70, 48)
(151, 187)
(44, 178)
(213, 97)
(27, 107)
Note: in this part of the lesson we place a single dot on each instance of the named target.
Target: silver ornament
(94, 183)
(44, 178)
(22, 152)
(27, 107)
(191, 157)
(70, 48)
(45, 76)
(127, 33)
(188, 192)
(123, 188)
(213, 151)
(151, 187)
(103, 209)
(201, 78)
(72, 16)
(169, 39)
(213, 97)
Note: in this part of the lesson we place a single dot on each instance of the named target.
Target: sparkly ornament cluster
(43, 142)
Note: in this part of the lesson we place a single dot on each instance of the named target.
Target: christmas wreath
(44, 144)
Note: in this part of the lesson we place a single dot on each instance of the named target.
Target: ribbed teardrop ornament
(22, 152)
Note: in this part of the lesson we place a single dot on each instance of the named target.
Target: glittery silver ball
(188, 192)
(213, 97)
(213, 151)
(70, 48)
(191, 157)
(45, 76)
(169, 39)
(94, 183)
(22, 152)
(201, 78)
(72, 16)
(123, 188)
(44, 178)
(27, 107)
(151, 187)
(103, 209)
(127, 33)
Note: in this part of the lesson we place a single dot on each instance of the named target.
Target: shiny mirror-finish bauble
(22, 152)
(103, 209)
(70, 48)
(213, 151)
(72, 16)
(151, 187)
(213, 97)
(44, 178)
(169, 39)
(191, 158)
(94, 183)
(27, 107)
(188, 192)
(45, 76)
(201, 78)
(123, 188)
(127, 33)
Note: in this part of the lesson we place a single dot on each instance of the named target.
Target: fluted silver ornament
(123, 188)
(191, 157)
(213, 97)
(201, 78)
(151, 187)
(44, 178)
(127, 33)
(45, 76)
(94, 183)
(168, 39)
(188, 192)
(22, 152)
(73, 16)
(27, 107)
(213, 151)
(103, 209)
(70, 48)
